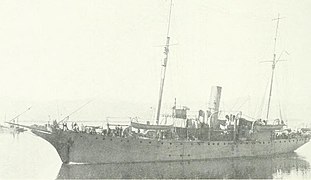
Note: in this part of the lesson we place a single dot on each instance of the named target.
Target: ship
(5, 129)
(14, 129)
(205, 137)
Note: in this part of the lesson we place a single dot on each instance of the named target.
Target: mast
(163, 70)
(273, 64)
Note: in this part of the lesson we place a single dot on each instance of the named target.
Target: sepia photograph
(155, 89)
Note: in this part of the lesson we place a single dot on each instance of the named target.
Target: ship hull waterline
(73, 147)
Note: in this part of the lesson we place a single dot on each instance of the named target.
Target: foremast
(274, 62)
(163, 69)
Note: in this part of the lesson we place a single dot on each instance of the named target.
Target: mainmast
(274, 62)
(163, 70)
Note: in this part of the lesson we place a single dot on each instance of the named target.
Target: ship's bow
(59, 140)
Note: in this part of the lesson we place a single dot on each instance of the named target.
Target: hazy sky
(82, 49)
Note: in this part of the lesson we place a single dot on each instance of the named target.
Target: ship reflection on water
(281, 166)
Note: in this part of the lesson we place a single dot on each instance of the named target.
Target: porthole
(103, 138)
(208, 143)
(246, 143)
(181, 155)
(161, 142)
(149, 142)
(263, 142)
(280, 141)
(170, 143)
(141, 142)
(224, 143)
(188, 154)
(96, 137)
(110, 139)
(128, 140)
(169, 155)
(217, 143)
(213, 143)
(180, 143)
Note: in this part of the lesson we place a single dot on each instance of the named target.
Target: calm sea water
(27, 156)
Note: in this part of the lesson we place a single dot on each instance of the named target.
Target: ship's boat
(306, 129)
(269, 127)
(11, 129)
(205, 137)
(14, 128)
(151, 127)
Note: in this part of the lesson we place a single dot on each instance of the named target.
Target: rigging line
(279, 98)
(236, 102)
(286, 93)
(20, 114)
(223, 106)
(243, 103)
(75, 111)
(57, 112)
(260, 109)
